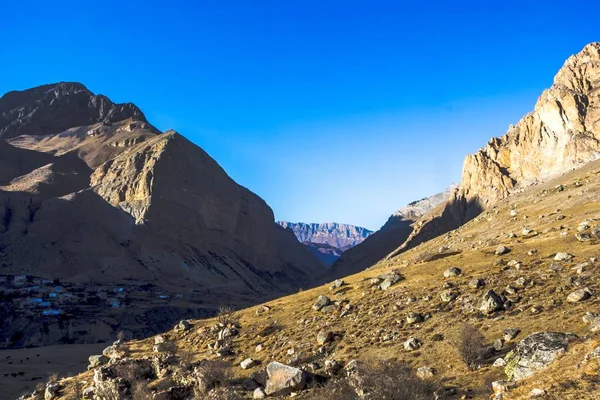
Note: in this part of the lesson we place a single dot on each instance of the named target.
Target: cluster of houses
(52, 298)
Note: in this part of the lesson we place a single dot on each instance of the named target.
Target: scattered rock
(562, 256)
(324, 337)
(413, 318)
(510, 333)
(337, 284)
(182, 326)
(97, 361)
(490, 303)
(51, 391)
(248, 363)
(390, 280)
(476, 283)
(500, 250)
(259, 394)
(159, 339)
(448, 295)
(579, 295)
(593, 354)
(332, 367)
(284, 379)
(499, 363)
(537, 392)
(412, 344)
(425, 372)
(593, 320)
(321, 302)
(535, 352)
(452, 271)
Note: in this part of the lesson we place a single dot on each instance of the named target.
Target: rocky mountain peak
(53, 108)
(561, 133)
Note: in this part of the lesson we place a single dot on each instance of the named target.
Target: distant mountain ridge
(342, 236)
(393, 233)
(327, 241)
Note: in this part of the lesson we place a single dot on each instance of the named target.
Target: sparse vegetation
(469, 344)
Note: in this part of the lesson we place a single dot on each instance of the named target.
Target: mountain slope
(116, 204)
(394, 232)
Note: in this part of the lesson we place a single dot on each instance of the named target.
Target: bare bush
(338, 389)
(381, 380)
(469, 344)
(211, 374)
(388, 380)
(226, 315)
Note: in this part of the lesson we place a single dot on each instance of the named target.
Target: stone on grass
(412, 344)
(476, 283)
(182, 326)
(248, 363)
(490, 303)
(448, 295)
(562, 256)
(452, 271)
(579, 295)
(425, 372)
(536, 352)
(321, 302)
(390, 280)
(500, 250)
(259, 394)
(510, 333)
(324, 337)
(283, 379)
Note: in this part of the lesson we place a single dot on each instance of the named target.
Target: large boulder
(322, 301)
(284, 379)
(97, 361)
(490, 303)
(536, 352)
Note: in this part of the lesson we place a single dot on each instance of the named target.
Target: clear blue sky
(329, 110)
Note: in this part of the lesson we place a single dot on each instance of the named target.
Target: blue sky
(329, 110)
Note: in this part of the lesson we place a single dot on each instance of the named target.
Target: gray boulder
(283, 379)
(321, 302)
(536, 352)
(390, 280)
(490, 303)
(579, 295)
(97, 361)
(452, 271)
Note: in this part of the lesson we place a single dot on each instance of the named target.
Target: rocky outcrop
(561, 133)
(391, 235)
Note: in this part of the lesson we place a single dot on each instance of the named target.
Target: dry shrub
(469, 344)
(338, 389)
(381, 380)
(211, 374)
(226, 315)
(388, 380)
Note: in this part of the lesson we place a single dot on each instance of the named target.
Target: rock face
(534, 353)
(90, 192)
(392, 234)
(561, 133)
